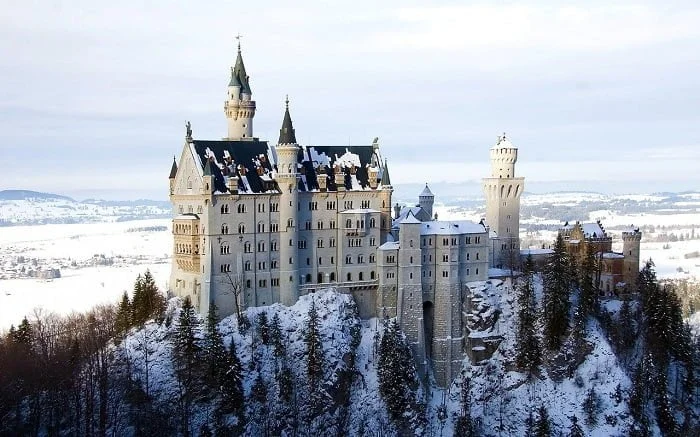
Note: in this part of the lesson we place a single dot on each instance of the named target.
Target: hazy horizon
(597, 98)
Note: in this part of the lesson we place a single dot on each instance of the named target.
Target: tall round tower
(239, 106)
(426, 200)
(503, 190)
(288, 182)
(630, 248)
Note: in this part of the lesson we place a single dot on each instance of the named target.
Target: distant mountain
(137, 202)
(28, 194)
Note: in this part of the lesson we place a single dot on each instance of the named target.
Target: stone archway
(428, 317)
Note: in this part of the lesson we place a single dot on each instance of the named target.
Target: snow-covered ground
(123, 249)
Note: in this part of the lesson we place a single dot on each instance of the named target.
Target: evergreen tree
(557, 284)
(664, 415)
(138, 305)
(205, 431)
(575, 429)
(626, 333)
(577, 338)
(543, 426)
(396, 372)
(187, 353)
(279, 349)
(590, 407)
(263, 328)
(527, 344)
(123, 318)
(464, 425)
(588, 301)
(231, 382)
(154, 301)
(215, 355)
(314, 349)
(258, 392)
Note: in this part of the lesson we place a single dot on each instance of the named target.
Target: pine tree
(231, 383)
(138, 303)
(396, 372)
(263, 328)
(279, 349)
(557, 284)
(186, 357)
(464, 426)
(258, 392)
(588, 301)
(590, 407)
(314, 349)
(664, 415)
(154, 302)
(575, 429)
(215, 355)
(577, 338)
(626, 332)
(527, 343)
(123, 318)
(543, 426)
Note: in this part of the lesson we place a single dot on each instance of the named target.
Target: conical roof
(207, 168)
(426, 192)
(385, 175)
(239, 76)
(173, 170)
(287, 135)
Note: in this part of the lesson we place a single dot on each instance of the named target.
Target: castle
(257, 223)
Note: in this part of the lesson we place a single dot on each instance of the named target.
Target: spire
(173, 169)
(426, 192)
(207, 168)
(238, 74)
(287, 135)
(385, 175)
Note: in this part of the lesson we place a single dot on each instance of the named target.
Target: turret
(426, 200)
(239, 106)
(503, 158)
(631, 250)
(173, 173)
(288, 181)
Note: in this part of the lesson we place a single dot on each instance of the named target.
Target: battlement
(634, 235)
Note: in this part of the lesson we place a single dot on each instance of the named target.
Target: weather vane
(238, 38)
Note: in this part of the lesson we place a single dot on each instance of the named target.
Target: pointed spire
(386, 181)
(426, 192)
(238, 74)
(287, 135)
(173, 169)
(207, 168)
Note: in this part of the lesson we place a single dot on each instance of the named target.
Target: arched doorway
(428, 317)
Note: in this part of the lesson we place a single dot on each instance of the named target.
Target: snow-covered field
(97, 261)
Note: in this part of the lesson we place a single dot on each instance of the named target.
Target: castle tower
(630, 248)
(288, 182)
(386, 190)
(238, 107)
(171, 178)
(426, 200)
(503, 190)
(409, 311)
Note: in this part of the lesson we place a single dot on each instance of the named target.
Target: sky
(597, 96)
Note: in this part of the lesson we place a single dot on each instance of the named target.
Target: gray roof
(239, 76)
(452, 228)
(287, 135)
(385, 175)
(173, 170)
(426, 192)
(410, 219)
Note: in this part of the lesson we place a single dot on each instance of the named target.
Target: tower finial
(238, 37)
(286, 101)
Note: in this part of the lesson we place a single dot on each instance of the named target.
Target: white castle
(256, 223)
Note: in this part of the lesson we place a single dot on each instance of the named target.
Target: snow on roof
(410, 219)
(426, 191)
(536, 251)
(592, 230)
(359, 211)
(452, 228)
(613, 255)
(389, 245)
(187, 217)
(348, 159)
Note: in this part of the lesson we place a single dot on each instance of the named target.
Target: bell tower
(239, 106)
(503, 190)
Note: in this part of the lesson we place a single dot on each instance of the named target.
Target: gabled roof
(452, 228)
(410, 219)
(173, 170)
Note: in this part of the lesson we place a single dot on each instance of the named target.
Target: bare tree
(234, 283)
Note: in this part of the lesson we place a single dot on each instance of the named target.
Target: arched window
(349, 276)
(261, 227)
(246, 247)
(241, 228)
(348, 223)
(224, 208)
(290, 223)
(372, 222)
(224, 229)
(246, 266)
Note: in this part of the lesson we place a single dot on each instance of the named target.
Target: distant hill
(28, 194)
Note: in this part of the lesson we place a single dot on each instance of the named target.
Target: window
(467, 256)
(360, 259)
(246, 266)
(477, 271)
(241, 208)
(181, 209)
(273, 246)
(445, 274)
(262, 265)
(445, 258)
(410, 260)
(468, 240)
(365, 204)
(332, 224)
(348, 259)
(307, 278)
(372, 258)
(390, 259)
(348, 204)
(275, 282)
(331, 242)
(261, 227)
(291, 242)
(348, 223)
(291, 261)
(273, 264)
(477, 255)
(308, 261)
(241, 228)
(330, 205)
(275, 207)
(274, 227)
(224, 208)
(247, 247)
(319, 224)
(410, 275)
(372, 275)
(313, 206)
(225, 268)
(389, 275)
(225, 249)
(360, 276)
(332, 277)
(307, 225)
(349, 276)
(332, 260)
(290, 223)
(477, 240)
(320, 261)
(224, 229)
(445, 241)
(261, 246)
(262, 283)
(410, 243)
(319, 243)
(467, 272)
(261, 207)
(301, 244)
(247, 283)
